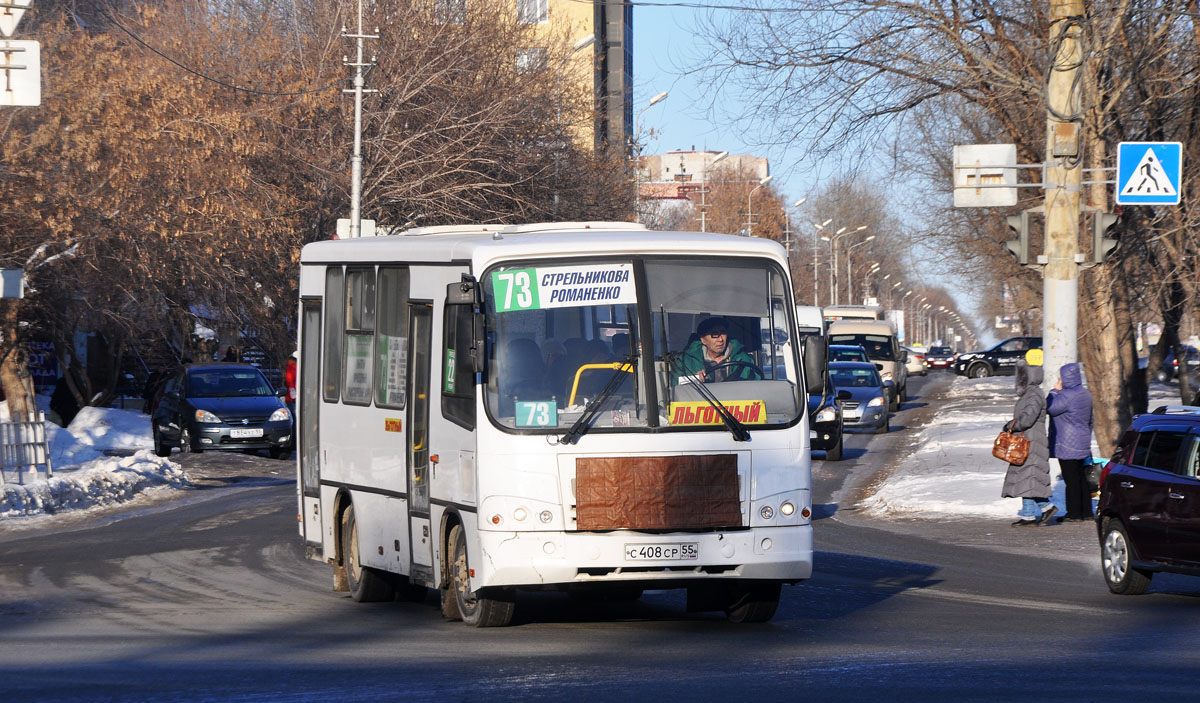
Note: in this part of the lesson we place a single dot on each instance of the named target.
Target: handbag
(1010, 447)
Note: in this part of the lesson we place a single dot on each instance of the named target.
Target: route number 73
(537, 414)
(515, 290)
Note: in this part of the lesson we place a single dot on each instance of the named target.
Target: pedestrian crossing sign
(1149, 173)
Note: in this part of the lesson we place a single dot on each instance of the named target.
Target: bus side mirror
(464, 292)
(815, 352)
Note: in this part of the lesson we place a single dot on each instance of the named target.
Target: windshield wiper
(592, 409)
(736, 428)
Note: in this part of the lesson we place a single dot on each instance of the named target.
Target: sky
(662, 43)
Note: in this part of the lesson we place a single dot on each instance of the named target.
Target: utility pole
(1063, 177)
(356, 159)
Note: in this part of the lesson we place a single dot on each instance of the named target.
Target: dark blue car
(825, 422)
(220, 406)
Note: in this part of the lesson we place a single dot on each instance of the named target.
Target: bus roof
(484, 244)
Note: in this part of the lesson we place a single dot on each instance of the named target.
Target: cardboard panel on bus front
(657, 493)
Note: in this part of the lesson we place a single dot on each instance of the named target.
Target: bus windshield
(630, 340)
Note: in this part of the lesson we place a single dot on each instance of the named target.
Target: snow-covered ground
(951, 472)
(85, 476)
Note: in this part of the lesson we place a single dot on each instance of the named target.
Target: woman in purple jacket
(1069, 406)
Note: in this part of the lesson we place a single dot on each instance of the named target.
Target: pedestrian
(1069, 406)
(289, 382)
(231, 354)
(63, 402)
(1030, 481)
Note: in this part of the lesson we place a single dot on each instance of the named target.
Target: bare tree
(835, 72)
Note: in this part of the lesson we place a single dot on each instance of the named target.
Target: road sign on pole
(1149, 173)
(22, 79)
(10, 15)
(12, 283)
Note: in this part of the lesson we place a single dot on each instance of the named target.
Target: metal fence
(24, 450)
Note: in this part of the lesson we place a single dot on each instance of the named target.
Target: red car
(1148, 518)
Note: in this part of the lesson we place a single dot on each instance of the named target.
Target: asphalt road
(209, 599)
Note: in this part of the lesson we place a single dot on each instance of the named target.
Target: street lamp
(818, 228)
(749, 199)
(787, 228)
(704, 186)
(833, 246)
(637, 156)
(849, 259)
(874, 269)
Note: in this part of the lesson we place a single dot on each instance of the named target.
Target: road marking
(1088, 609)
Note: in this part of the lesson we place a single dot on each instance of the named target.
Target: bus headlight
(767, 512)
(545, 516)
(787, 508)
(520, 514)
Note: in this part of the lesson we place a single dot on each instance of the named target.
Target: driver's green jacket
(693, 359)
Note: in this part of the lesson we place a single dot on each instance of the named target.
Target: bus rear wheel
(366, 584)
(753, 602)
(493, 610)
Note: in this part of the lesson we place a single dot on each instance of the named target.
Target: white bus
(491, 408)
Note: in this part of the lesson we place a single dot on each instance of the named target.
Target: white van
(833, 313)
(810, 319)
(878, 337)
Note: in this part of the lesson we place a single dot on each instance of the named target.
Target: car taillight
(1104, 471)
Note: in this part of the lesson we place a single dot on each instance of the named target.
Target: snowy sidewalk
(952, 473)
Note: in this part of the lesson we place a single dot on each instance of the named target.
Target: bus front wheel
(753, 602)
(492, 610)
(366, 584)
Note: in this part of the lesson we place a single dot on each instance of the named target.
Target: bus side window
(458, 377)
(334, 311)
(391, 337)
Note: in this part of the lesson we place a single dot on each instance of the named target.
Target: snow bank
(95, 483)
(85, 473)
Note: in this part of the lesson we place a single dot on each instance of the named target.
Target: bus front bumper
(564, 558)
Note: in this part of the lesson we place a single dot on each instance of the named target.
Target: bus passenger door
(306, 430)
(420, 326)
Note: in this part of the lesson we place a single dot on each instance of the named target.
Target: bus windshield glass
(628, 340)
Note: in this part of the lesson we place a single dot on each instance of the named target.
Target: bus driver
(715, 357)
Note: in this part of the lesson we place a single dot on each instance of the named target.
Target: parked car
(1000, 360)
(939, 357)
(915, 363)
(862, 393)
(1170, 365)
(825, 422)
(1148, 518)
(220, 406)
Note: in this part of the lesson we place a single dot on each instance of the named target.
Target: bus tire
(753, 602)
(492, 610)
(366, 584)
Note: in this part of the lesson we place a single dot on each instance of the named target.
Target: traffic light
(1019, 246)
(1102, 245)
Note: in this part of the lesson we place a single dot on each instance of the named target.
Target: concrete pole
(1060, 277)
